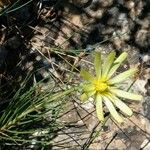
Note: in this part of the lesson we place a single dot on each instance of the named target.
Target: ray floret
(102, 86)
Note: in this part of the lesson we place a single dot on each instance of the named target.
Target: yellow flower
(105, 88)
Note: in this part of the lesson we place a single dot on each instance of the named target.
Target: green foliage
(32, 115)
(12, 8)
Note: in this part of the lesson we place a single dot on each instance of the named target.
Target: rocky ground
(120, 25)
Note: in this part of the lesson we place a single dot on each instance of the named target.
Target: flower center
(100, 86)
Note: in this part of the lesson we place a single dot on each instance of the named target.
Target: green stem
(48, 100)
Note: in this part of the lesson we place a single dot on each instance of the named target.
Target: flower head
(105, 86)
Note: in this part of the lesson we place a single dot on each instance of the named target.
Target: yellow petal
(99, 107)
(90, 93)
(117, 63)
(127, 95)
(87, 76)
(97, 64)
(108, 63)
(84, 97)
(112, 110)
(122, 106)
(88, 87)
(123, 76)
